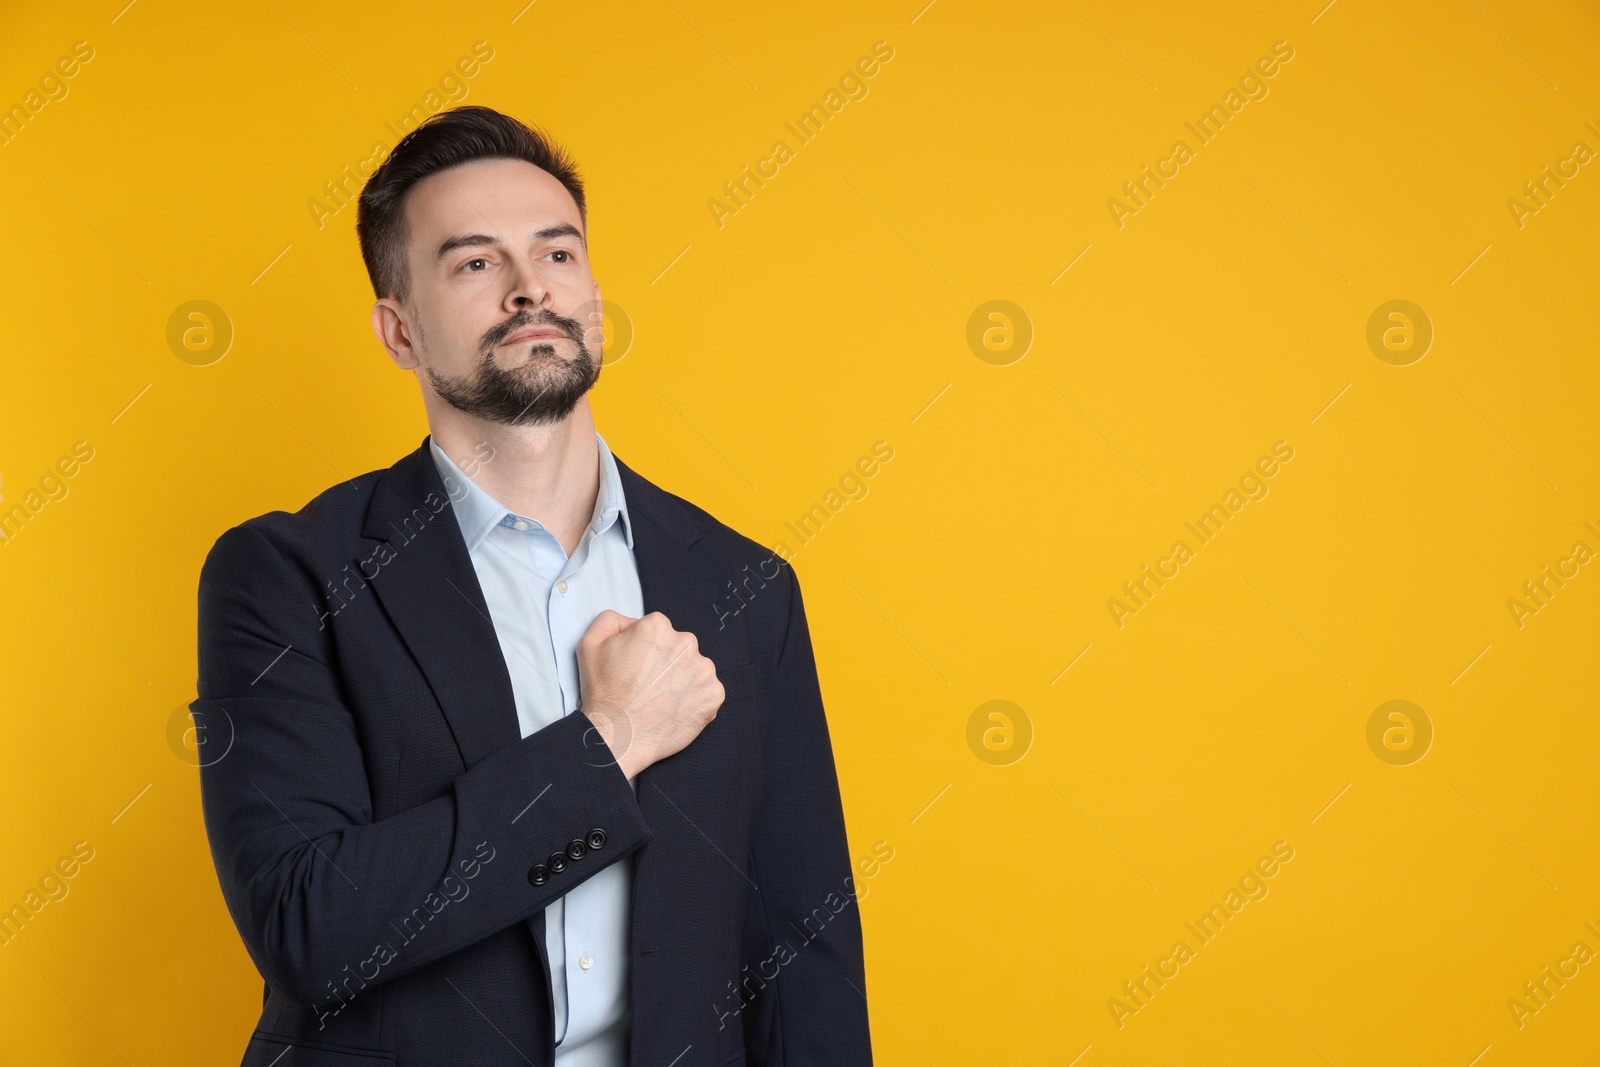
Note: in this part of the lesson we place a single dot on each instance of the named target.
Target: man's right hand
(645, 686)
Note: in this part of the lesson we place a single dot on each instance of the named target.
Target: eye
(475, 259)
(562, 252)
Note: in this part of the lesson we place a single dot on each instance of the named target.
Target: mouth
(543, 333)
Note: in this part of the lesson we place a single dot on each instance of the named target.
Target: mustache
(524, 319)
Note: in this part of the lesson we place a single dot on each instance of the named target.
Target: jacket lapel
(428, 587)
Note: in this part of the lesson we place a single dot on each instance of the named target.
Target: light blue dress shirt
(541, 602)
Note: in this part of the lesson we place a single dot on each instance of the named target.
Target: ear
(394, 333)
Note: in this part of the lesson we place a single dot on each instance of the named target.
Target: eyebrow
(472, 240)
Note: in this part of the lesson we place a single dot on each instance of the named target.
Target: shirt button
(562, 585)
(519, 525)
(586, 961)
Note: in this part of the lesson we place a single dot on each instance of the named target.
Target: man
(487, 776)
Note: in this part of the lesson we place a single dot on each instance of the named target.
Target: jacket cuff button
(538, 874)
(597, 838)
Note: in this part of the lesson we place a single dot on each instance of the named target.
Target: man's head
(475, 235)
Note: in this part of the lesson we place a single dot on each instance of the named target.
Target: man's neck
(550, 472)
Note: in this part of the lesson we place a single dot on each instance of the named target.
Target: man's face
(503, 305)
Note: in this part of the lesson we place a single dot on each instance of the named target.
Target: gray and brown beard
(543, 390)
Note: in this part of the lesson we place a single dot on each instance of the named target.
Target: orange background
(1041, 860)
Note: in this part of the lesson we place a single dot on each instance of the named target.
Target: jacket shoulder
(325, 528)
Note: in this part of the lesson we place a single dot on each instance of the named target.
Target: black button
(597, 838)
(576, 849)
(538, 874)
(557, 862)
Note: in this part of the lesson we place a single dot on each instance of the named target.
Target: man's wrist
(618, 741)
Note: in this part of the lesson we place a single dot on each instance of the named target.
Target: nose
(528, 287)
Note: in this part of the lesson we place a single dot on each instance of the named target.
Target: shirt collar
(478, 512)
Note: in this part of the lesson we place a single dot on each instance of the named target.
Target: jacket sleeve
(802, 919)
(321, 891)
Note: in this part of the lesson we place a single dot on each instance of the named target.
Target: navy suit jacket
(387, 841)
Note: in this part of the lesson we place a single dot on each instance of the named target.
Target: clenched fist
(645, 686)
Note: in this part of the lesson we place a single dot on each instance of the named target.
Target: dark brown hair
(447, 139)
